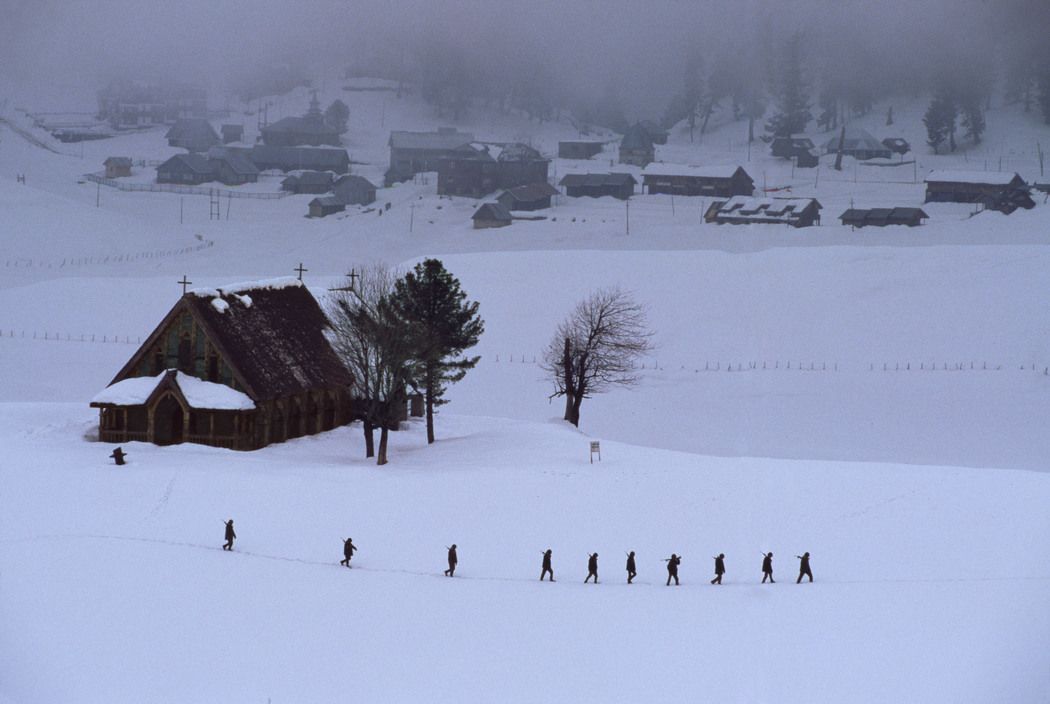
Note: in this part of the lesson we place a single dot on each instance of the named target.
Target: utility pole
(627, 203)
(182, 200)
(98, 193)
(411, 216)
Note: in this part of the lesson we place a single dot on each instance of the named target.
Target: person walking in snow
(348, 551)
(803, 568)
(767, 568)
(720, 568)
(672, 569)
(592, 568)
(547, 566)
(230, 535)
(631, 571)
(453, 560)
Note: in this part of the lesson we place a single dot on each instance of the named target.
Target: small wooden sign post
(596, 449)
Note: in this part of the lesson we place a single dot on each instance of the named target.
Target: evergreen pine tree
(889, 116)
(973, 117)
(789, 90)
(440, 324)
(940, 121)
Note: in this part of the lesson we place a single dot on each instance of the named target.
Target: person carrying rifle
(348, 551)
(453, 560)
(631, 571)
(592, 568)
(720, 568)
(767, 568)
(230, 535)
(672, 569)
(803, 568)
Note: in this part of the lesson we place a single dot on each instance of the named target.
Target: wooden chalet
(475, 170)
(309, 130)
(859, 144)
(192, 134)
(636, 147)
(187, 169)
(288, 159)
(232, 167)
(415, 152)
(1002, 191)
(797, 147)
(532, 196)
(315, 182)
(325, 206)
(680, 180)
(232, 133)
(117, 166)
(743, 210)
(239, 367)
(598, 185)
(491, 215)
(354, 190)
(883, 217)
(579, 149)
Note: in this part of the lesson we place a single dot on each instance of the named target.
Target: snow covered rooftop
(662, 169)
(197, 392)
(246, 286)
(994, 178)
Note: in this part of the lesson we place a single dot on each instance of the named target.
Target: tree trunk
(842, 143)
(574, 413)
(570, 387)
(951, 136)
(750, 129)
(370, 442)
(707, 116)
(381, 460)
(430, 403)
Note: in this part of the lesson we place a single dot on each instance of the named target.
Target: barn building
(239, 367)
(636, 147)
(491, 215)
(883, 217)
(797, 147)
(354, 190)
(232, 167)
(532, 196)
(1002, 191)
(415, 152)
(192, 134)
(325, 206)
(617, 185)
(187, 169)
(579, 149)
(117, 166)
(315, 182)
(742, 210)
(680, 180)
(475, 170)
(859, 144)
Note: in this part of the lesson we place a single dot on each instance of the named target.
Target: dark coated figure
(230, 535)
(767, 568)
(547, 566)
(672, 569)
(452, 561)
(720, 568)
(118, 456)
(632, 572)
(803, 568)
(348, 551)
(592, 568)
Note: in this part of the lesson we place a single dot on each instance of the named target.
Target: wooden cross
(300, 269)
(353, 276)
(184, 283)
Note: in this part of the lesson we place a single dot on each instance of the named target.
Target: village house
(192, 134)
(287, 159)
(187, 169)
(636, 147)
(657, 134)
(308, 182)
(117, 166)
(1002, 191)
(680, 180)
(598, 185)
(744, 210)
(128, 104)
(475, 170)
(232, 167)
(310, 129)
(239, 367)
(797, 147)
(415, 152)
(232, 133)
(491, 215)
(579, 149)
(533, 196)
(883, 217)
(325, 206)
(354, 190)
(859, 144)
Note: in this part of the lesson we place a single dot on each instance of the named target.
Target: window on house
(185, 355)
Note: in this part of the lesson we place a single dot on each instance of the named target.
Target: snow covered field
(921, 493)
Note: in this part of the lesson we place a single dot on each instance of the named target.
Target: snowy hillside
(876, 397)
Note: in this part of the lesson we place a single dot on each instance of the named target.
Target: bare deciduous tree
(367, 336)
(596, 347)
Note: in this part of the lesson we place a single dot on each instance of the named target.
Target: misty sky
(58, 49)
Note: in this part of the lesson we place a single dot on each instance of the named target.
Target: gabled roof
(197, 393)
(193, 162)
(328, 201)
(301, 125)
(980, 178)
(720, 172)
(653, 129)
(597, 180)
(441, 140)
(519, 152)
(236, 160)
(531, 192)
(353, 182)
(857, 139)
(194, 129)
(293, 158)
(312, 178)
(492, 211)
(271, 333)
(882, 216)
(636, 138)
(117, 161)
(767, 209)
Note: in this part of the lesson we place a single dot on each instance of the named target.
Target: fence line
(185, 190)
(10, 333)
(29, 263)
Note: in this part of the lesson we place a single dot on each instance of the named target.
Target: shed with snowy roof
(617, 185)
(532, 196)
(859, 144)
(743, 210)
(239, 367)
(995, 190)
(491, 215)
(680, 180)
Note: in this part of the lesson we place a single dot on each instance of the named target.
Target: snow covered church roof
(204, 395)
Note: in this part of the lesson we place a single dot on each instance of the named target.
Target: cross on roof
(184, 283)
(300, 269)
(353, 276)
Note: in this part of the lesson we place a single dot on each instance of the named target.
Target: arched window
(185, 354)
